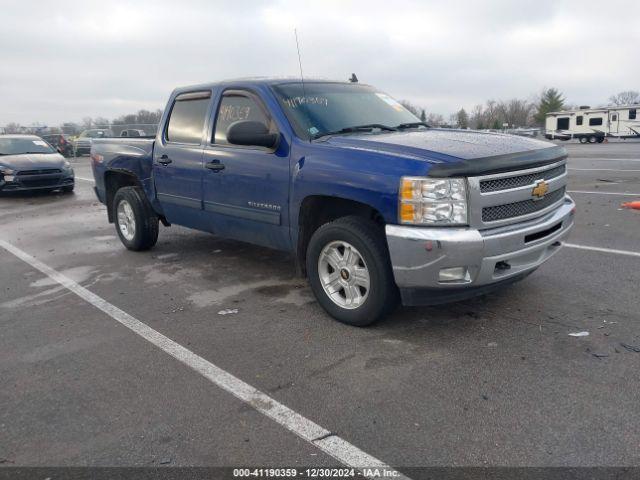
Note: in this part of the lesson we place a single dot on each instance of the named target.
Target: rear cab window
(187, 118)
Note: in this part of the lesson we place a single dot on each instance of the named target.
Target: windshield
(331, 107)
(17, 146)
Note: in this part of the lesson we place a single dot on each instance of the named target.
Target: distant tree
(423, 116)
(435, 119)
(87, 122)
(101, 122)
(462, 119)
(143, 117)
(411, 107)
(516, 112)
(496, 125)
(629, 97)
(477, 117)
(13, 127)
(550, 101)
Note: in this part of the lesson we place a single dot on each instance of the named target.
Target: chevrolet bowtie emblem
(540, 190)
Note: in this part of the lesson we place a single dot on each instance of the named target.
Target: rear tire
(136, 222)
(592, 139)
(349, 271)
(583, 139)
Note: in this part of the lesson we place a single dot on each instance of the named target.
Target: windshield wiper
(358, 128)
(404, 126)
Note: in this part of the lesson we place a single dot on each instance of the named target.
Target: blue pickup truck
(375, 206)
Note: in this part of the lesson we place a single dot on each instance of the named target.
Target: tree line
(144, 120)
(494, 114)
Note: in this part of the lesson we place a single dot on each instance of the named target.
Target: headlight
(67, 165)
(433, 201)
(6, 170)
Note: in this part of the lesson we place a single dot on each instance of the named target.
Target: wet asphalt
(493, 381)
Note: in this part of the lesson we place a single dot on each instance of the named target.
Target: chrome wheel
(126, 220)
(344, 275)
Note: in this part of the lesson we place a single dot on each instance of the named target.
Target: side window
(579, 120)
(235, 107)
(595, 121)
(614, 117)
(187, 117)
(563, 123)
(632, 114)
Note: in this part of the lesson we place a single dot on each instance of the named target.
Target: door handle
(215, 165)
(164, 160)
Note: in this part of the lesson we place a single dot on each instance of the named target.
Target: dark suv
(60, 142)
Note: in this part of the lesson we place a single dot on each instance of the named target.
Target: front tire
(350, 272)
(592, 139)
(137, 224)
(583, 139)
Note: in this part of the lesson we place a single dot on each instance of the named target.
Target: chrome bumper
(492, 256)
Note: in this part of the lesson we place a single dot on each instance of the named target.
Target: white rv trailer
(594, 124)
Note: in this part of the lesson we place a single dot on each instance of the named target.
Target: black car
(28, 162)
(60, 142)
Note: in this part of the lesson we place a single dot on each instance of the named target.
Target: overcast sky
(65, 60)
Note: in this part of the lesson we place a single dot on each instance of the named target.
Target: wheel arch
(113, 181)
(316, 210)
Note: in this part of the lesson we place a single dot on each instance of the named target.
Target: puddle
(77, 274)
(207, 298)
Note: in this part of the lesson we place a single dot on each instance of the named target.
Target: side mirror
(251, 134)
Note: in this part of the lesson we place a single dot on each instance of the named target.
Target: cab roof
(259, 81)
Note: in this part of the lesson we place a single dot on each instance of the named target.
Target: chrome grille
(518, 209)
(506, 183)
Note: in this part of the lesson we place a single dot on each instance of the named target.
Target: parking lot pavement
(491, 381)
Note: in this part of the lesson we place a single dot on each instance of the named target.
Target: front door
(177, 162)
(246, 189)
(614, 121)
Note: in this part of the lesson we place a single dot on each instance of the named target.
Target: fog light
(454, 274)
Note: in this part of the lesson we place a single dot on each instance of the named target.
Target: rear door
(177, 159)
(246, 188)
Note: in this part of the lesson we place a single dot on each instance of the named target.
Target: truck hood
(32, 161)
(457, 152)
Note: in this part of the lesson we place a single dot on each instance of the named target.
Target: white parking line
(306, 429)
(601, 170)
(601, 159)
(605, 193)
(604, 250)
(85, 179)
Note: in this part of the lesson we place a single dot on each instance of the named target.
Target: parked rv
(593, 125)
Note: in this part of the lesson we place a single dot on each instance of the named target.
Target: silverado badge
(540, 190)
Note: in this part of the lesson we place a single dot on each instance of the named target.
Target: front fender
(362, 176)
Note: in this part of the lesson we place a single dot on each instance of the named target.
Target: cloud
(66, 60)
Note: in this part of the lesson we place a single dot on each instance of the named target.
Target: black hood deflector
(500, 163)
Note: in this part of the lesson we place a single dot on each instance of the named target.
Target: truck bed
(122, 154)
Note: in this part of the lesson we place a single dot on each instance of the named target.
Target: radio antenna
(304, 92)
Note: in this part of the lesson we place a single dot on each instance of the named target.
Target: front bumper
(19, 183)
(490, 258)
